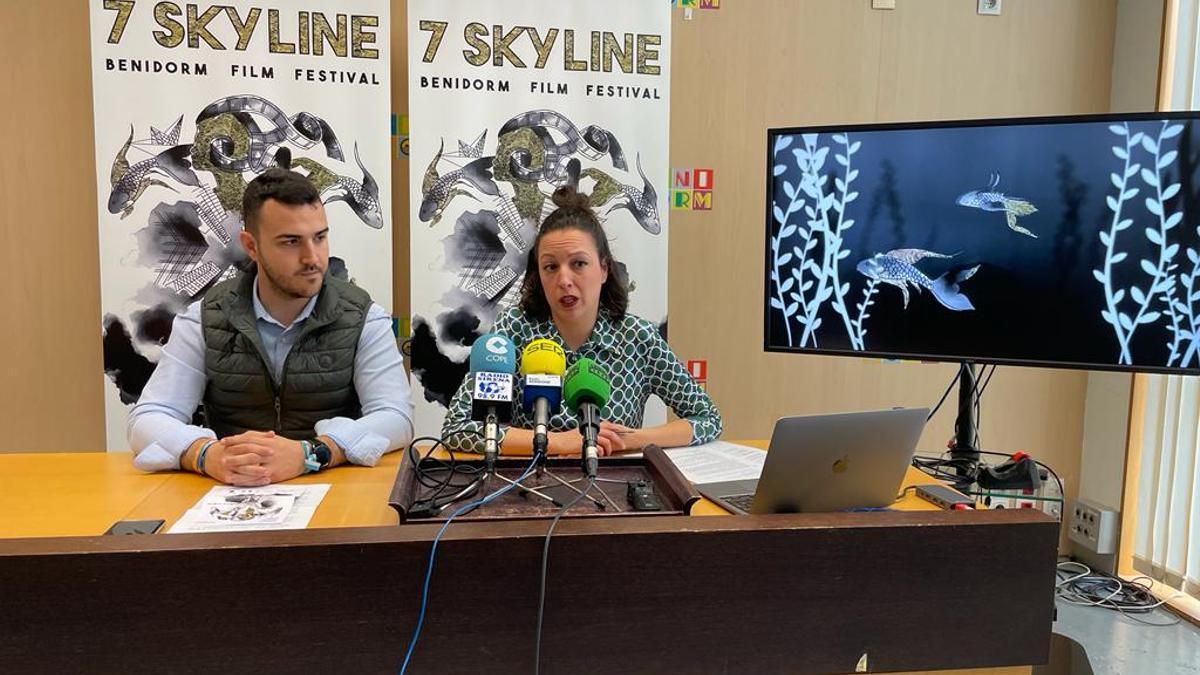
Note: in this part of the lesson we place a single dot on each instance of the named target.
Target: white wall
(1183, 56)
(1105, 428)
(1136, 53)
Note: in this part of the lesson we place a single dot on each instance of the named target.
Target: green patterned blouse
(639, 362)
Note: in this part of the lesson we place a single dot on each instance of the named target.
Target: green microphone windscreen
(586, 382)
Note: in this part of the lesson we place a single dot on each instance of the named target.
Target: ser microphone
(542, 363)
(493, 362)
(585, 391)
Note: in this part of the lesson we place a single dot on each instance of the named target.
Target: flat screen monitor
(1056, 241)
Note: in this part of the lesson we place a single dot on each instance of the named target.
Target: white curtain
(1182, 63)
(1167, 537)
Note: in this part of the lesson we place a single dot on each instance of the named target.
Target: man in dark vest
(297, 370)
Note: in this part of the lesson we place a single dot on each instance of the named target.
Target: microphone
(542, 363)
(492, 365)
(585, 391)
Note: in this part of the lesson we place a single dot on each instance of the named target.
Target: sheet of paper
(232, 509)
(718, 461)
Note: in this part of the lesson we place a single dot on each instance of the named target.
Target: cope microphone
(542, 363)
(585, 391)
(493, 361)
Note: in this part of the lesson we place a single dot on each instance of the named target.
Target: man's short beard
(274, 281)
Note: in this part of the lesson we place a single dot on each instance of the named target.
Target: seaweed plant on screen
(1182, 311)
(1128, 309)
(807, 248)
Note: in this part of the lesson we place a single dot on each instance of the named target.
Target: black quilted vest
(318, 373)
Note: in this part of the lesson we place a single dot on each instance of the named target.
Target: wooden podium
(562, 479)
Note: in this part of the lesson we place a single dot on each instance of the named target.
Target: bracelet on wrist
(202, 455)
(311, 464)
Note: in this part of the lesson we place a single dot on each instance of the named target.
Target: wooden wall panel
(51, 377)
(400, 167)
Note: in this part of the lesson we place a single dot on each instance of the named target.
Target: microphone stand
(541, 438)
(588, 422)
(541, 447)
(491, 443)
(491, 448)
(528, 490)
(570, 485)
(589, 426)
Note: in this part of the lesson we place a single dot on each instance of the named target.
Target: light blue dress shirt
(159, 426)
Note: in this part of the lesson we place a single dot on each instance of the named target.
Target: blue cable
(433, 552)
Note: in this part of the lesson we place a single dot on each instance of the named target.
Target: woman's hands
(613, 438)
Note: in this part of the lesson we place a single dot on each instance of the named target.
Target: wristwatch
(317, 455)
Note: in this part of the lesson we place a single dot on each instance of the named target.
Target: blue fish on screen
(898, 268)
(990, 199)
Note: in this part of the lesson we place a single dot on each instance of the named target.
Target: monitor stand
(1020, 472)
(964, 447)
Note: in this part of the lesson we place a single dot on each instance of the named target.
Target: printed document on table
(233, 509)
(718, 461)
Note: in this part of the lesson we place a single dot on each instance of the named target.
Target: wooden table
(82, 494)
(812, 590)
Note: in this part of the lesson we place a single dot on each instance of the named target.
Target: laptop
(822, 463)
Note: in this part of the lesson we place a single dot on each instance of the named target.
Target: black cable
(933, 467)
(986, 381)
(1061, 492)
(973, 396)
(970, 469)
(439, 441)
(424, 473)
(946, 393)
(979, 403)
(537, 644)
(428, 476)
(432, 507)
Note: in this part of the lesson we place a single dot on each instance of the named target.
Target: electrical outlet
(1093, 527)
(883, 4)
(989, 7)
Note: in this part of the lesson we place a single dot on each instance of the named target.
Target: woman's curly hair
(574, 212)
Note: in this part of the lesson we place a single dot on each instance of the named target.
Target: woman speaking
(574, 294)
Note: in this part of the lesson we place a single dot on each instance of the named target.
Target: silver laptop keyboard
(742, 502)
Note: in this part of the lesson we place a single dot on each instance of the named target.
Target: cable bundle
(962, 473)
(1077, 584)
(439, 476)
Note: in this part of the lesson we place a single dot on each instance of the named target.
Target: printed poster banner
(192, 101)
(502, 96)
